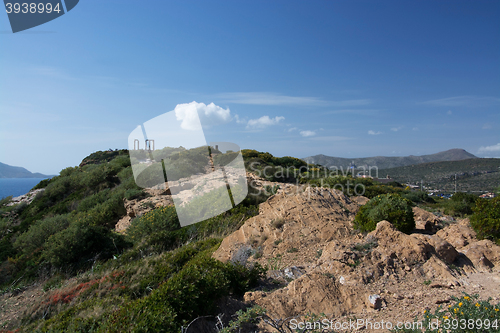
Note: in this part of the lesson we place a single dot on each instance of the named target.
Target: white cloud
(395, 129)
(351, 102)
(449, 113)
(373, 132)
(263, 122)
(489, 149)
(331, 138)
(292, 129)
(270, 98)
(465, 101)
(307, 133)
(193, 115)
(264, 98)
(358, 102)
(239, 120)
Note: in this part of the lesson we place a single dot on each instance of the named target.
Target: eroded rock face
(294, 219)
(459, 235)
(339, 266)
(483, 254)
(444, 250)
(314, 292)
(425, 220)
(392, 243)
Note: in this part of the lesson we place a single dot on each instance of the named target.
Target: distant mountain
(8, 171)
(385, 162)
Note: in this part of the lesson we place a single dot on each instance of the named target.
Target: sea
(17, 186)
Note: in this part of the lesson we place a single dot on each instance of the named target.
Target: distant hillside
(385, 162)
(478, 174)
(8, 171)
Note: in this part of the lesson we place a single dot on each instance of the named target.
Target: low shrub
(191, 292)
(93, 200)
(156, 221)
(36, 236)
(486, 219)
(133, 193)
(5, 200)
(417, 196)
(80, 243)
(460, 204)
(390, 207)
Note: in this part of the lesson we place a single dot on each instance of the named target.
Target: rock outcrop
(319, 264)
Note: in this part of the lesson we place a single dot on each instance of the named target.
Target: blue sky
(299, 78)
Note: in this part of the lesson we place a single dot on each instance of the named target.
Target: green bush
(486, 219)
(98, 177)
(5, 200)
(156, 221)
(119, 163)
(417, 196)
(36, 236)
(133, 193)
(93, 200)
(390, 207)
(288, 161)
(42, 184)
(353, 186)
(104, 214)
(249, 153)
(79, 243)
(190, 293)
(460, 204)
(6, 249)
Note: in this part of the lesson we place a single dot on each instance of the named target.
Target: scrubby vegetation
(460, 204)
(67, 234)
(69, 223)
(466, 314)
(159, 276)
(486, 219)
(390, 207)
(294, 170)
(476, 174)
(278, 169)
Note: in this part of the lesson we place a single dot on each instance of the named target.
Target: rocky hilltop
(319, 264)
(143, 271)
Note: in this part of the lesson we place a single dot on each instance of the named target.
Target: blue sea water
(17, 186)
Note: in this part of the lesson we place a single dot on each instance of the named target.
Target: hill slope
(8, 171)
(478, 174)
(385, 162)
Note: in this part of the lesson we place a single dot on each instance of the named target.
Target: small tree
(391, 207)
(486, 219)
